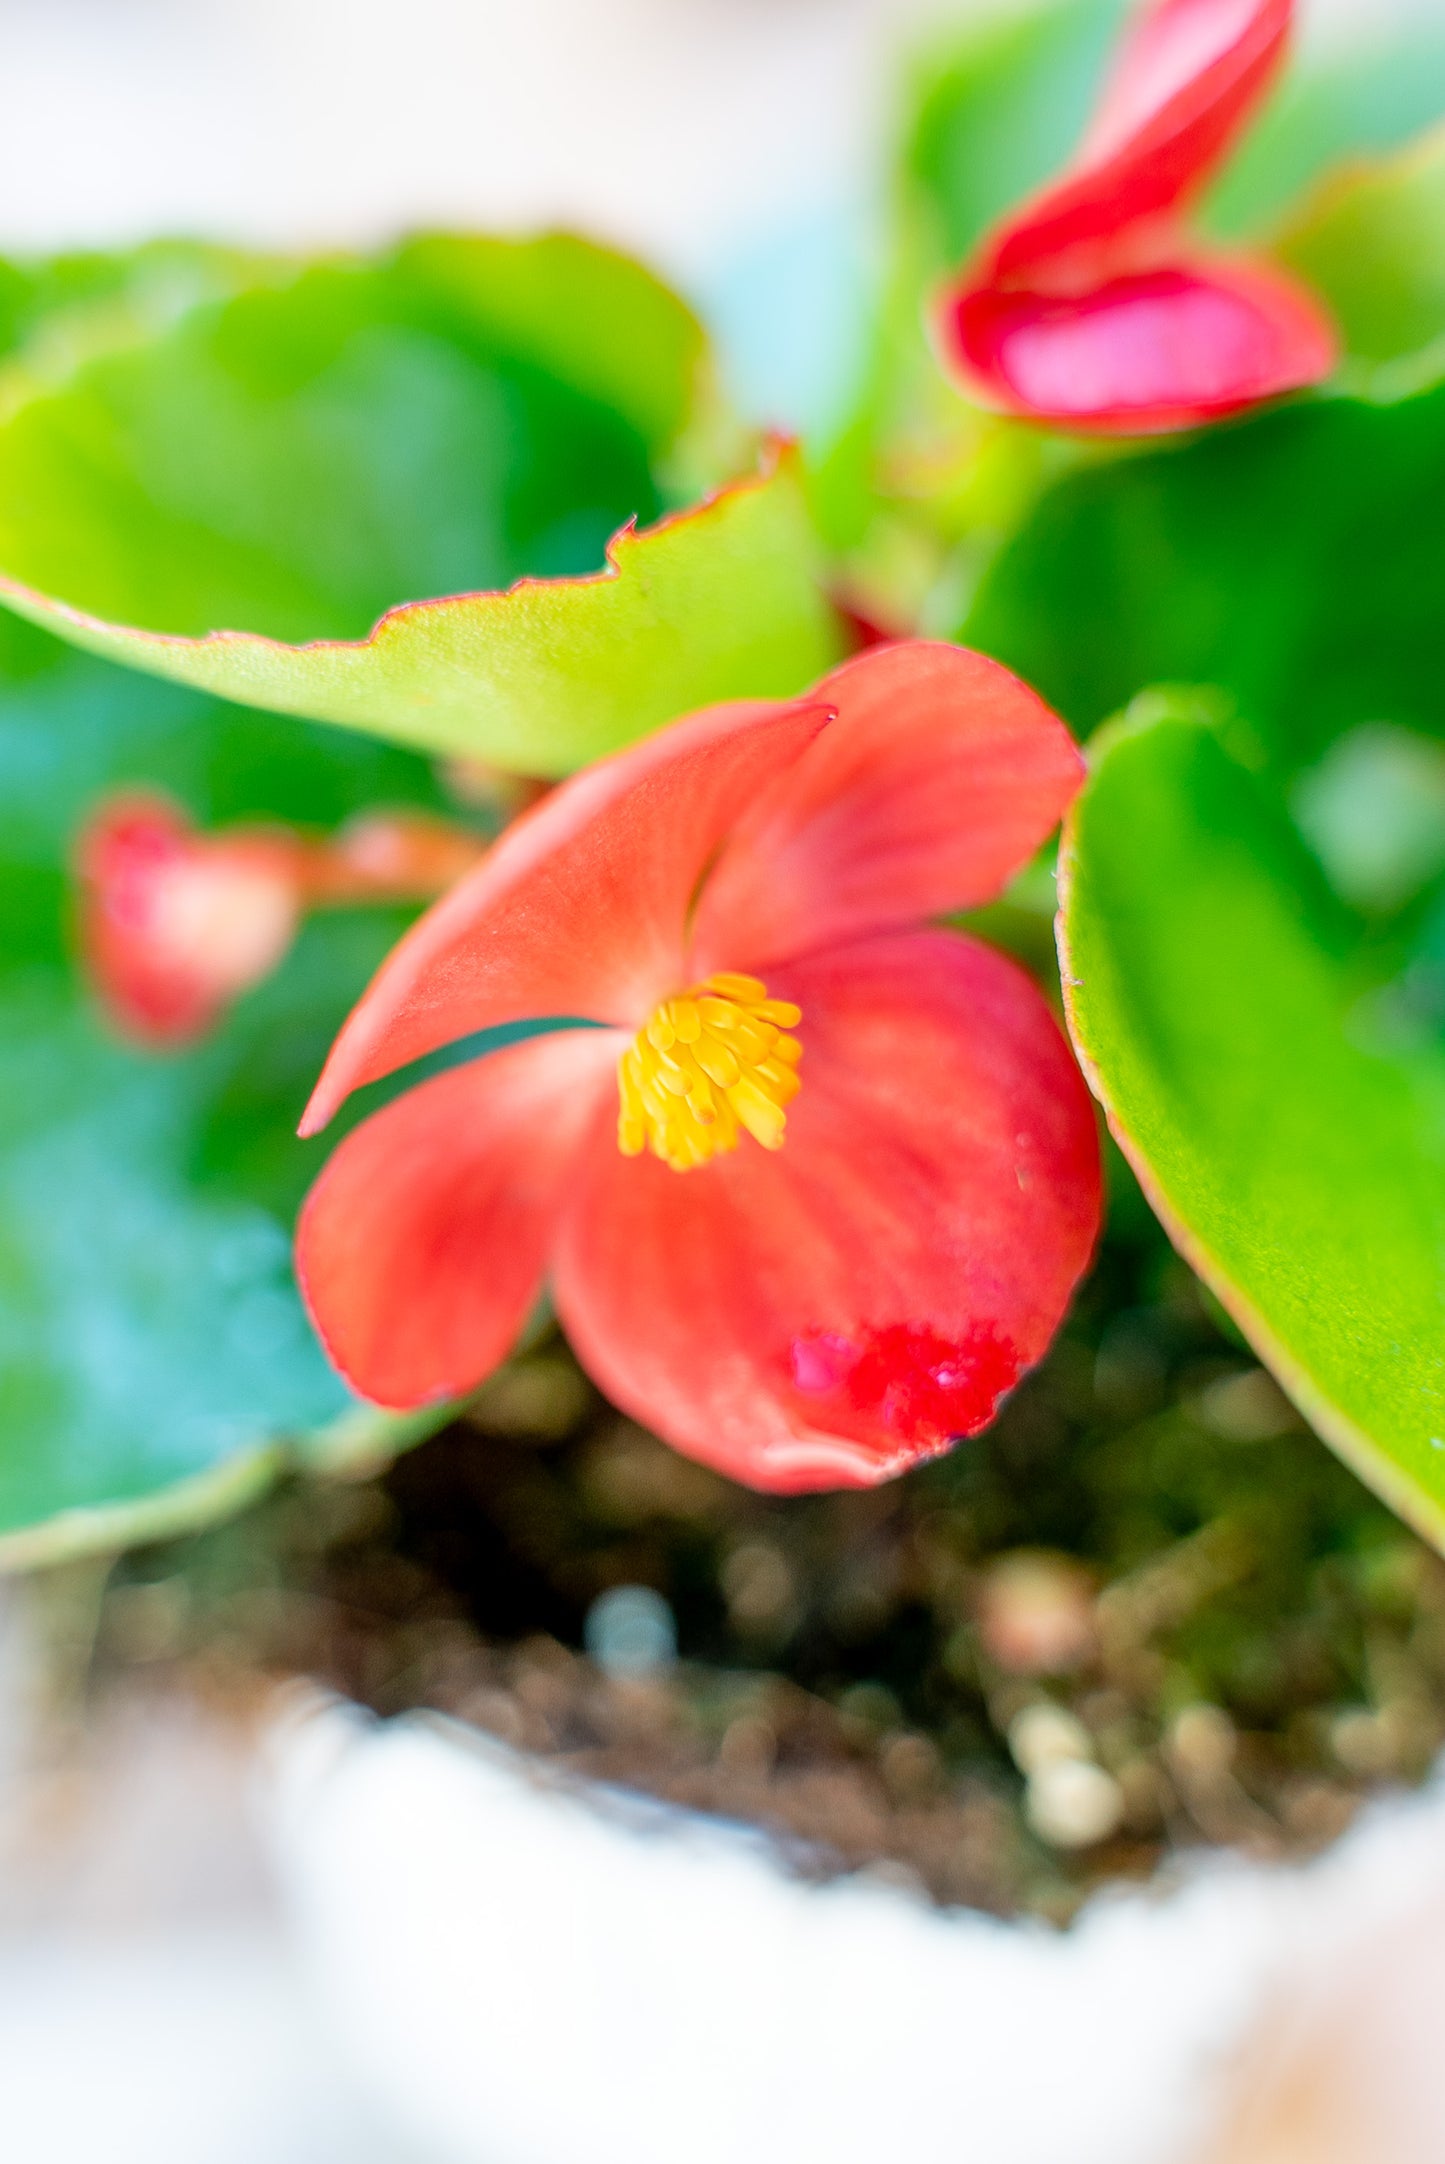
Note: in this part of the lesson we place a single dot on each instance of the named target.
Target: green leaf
(1372, 243)
(1298, 1164)
(1297, 560)
(592, 319)
(1369, 90)
(342, 437)
(155, 1361)
(55, 308)
(722, 602)
(286, 467)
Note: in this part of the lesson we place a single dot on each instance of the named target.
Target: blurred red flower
(819, 1311)
(175, 924)
(1092, 306)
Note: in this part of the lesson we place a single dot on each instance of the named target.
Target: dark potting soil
(1147, 1610)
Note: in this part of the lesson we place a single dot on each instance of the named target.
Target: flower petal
(423, 1244)
(580, 908)
(174, 923)
(827, 1314)
(939, 778)
(1186, 75)
(1157, 350)
(1185, 80)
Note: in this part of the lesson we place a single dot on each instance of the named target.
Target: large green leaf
(347, 435)
(286, 466)
(1297, 559)
(154, 1357)
(722, 602)
(1366, 91)
(54, 308)
(1372, 242)
(1297, 1161)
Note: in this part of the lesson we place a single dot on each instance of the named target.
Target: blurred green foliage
(292, 461)
(300, 457)
(995, 112)
(150, 1331)
(1296, 559)
(1371, 240)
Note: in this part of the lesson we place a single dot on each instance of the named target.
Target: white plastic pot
(526, 1973)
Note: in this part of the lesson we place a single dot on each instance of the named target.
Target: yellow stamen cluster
(709, 1063)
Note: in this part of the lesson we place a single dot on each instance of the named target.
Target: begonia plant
(802, 1160)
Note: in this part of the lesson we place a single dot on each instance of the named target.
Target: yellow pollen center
(709, 1063)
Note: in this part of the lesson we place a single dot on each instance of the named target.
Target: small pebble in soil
(630, 1631)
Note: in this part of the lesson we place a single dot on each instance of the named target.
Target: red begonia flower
(744, 891)
(175, 924)
(1092, 306)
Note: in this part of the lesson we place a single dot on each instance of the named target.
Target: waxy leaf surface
(1297, 560)
(1297, 1161)
(236, 501)
(154, 1356)
(1372, 244)
(1352, 89)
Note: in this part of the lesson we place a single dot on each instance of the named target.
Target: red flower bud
(1092, 306)
(174, 924)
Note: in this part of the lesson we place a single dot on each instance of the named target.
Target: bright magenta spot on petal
(924, 1388)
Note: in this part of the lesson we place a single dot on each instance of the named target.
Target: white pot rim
(537, 1971)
